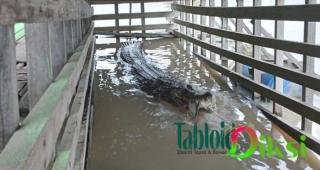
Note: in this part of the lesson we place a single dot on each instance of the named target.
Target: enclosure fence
(221, 36)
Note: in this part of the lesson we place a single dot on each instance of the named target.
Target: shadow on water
(132, 130)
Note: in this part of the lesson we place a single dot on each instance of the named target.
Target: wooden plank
(289, 12)
(83, 145)
(65, 158)
(138, 35)
(9, 107)
(40, 73)
(133, 15)
(126, 28)
(292, 46)
(32, 146)
(32, 11)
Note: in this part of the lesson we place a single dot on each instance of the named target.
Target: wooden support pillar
(74, 34)
(9, 107)
(57, 47)
(308, 67)
(116, 10)
(224, 41)
(203, 22)
(212, 24)
(194, 32)
(40, 73)
(256, 49)
(239, 45)
(279, 60)
(79, 30)
(188, 19)
(143, 19)
(130, 12)
(68, 37)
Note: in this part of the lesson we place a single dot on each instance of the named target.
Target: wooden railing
(206, 40)
(143, 27)
(58, 39)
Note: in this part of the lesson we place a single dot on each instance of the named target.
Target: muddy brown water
(132, 130)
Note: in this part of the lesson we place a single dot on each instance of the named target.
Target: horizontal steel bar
(132, 15)
(296, 47)
(297, 106)
(139, 27)
(285, 73)
(290, 12)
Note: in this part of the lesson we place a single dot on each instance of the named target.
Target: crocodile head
(192, 102)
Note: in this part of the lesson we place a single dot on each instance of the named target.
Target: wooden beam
(32, 11)
(123, 1)
(9, 107)
(289, 12)
(66, 155)
(127, 28)
(133, 15)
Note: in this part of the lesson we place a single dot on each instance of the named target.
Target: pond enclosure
(267, 52)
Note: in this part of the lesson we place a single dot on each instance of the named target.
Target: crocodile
(157, 83)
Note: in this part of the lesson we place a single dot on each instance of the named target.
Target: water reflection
(132, 130)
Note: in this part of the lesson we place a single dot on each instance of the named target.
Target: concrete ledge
(33, 146)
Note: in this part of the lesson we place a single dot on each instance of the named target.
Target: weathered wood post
(224, 41)
(256, 49)
(9, 108)
(68, 36)
(279, 60)
(40, 73)
(57, 47)
(212, 24)
(239, 45)
(203, 22)
(74, 29)
(308, 67)
(194, 32)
